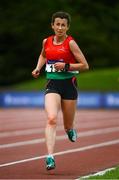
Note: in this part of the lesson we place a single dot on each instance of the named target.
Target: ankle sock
(50, 156)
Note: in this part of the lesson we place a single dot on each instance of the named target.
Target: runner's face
(60, 27)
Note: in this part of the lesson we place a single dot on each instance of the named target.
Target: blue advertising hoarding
(36, 99)
(89, 100)
(111, 100)
(22, 99)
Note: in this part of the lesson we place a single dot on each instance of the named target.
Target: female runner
(63, 59)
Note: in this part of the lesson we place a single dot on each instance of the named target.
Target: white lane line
(13, 133)
(61, 137)
(100, 173)
(24, 132)
(21, 132)
(92, 146)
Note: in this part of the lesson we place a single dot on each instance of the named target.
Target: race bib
(51, 68)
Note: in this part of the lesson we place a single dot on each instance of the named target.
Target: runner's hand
(35, 73)
(59, 66)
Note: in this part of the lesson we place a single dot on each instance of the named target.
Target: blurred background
(95, 27)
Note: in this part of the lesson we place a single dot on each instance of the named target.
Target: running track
(22, 144)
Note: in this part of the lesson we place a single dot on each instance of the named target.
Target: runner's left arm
(82, 64)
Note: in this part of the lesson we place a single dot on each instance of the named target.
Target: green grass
(100, 80)
(32, 85)
(113, 174)
(97, 80)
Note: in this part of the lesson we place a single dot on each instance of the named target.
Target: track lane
(72, 167)
(87, 121)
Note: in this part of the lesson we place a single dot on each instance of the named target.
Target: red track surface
(22, 146)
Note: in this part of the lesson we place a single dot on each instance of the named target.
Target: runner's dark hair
(62, 15)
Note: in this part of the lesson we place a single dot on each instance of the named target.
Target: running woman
(63, 59)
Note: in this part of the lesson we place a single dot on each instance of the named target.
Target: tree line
(25, 23)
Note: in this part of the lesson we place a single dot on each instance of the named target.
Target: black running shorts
(67, 88)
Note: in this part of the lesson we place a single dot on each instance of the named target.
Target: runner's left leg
(68, 110)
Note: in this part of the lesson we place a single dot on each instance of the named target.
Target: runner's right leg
(52, 106)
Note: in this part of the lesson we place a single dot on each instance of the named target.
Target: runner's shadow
(64, 173)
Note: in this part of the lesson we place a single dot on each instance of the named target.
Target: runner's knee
(51, 120)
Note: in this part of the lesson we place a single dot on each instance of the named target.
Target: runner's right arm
(41, 62)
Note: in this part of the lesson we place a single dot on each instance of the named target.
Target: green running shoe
(50, 163)
(72, 135)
